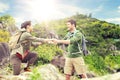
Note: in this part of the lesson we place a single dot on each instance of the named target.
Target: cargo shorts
(75, 64)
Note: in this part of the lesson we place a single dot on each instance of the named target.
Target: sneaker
(27, 69)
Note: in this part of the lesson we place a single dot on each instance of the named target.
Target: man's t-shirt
(72, 49)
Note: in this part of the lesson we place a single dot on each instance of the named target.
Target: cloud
(113, 20)
(119, 9)
(63, 11)
(3, 7)
(40, 10)
(98, 9)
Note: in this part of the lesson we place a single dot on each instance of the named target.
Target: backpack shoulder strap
(79, 46)
(19, 37)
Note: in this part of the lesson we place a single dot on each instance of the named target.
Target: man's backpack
(82, 46)
(14, 40)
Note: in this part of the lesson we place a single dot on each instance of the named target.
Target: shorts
(75, 64)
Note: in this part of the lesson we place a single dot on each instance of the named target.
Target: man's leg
(80, 67)
(67, 76)
(68, 68)
(16, 64)
(30, 58)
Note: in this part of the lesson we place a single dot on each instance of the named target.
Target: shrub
(113, 61)
(4, 36)
(36, 75)
(96, 64)
(46, 52)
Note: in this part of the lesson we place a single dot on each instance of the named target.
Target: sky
(41, 10)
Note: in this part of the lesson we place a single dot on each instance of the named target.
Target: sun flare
(43, 9)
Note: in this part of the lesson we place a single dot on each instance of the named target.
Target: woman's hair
(25, 24)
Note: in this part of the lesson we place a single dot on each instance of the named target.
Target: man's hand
(55, 41)
(49, 41)
(61, 41)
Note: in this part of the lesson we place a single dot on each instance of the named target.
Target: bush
(4, 36)
(113, 61)
(96, 64)
(36, 75)
(46, 52)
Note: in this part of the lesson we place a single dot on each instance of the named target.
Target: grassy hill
(103, 41)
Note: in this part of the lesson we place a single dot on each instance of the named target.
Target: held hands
(51, 41)
(55, 41)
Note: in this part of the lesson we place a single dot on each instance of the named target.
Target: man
(26, 40)
(74, 60)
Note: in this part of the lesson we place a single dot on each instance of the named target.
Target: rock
(59, 62)
(91, 75)
(4, 53)
(50, 72)
(47, 72)
(26, 74)
(118, 70)
(23, 76)
(115, 76)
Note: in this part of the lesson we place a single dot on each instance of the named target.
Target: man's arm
(35, 39)
(61, 41)
(74, 39)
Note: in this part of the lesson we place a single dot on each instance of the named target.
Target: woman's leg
(16, 64)
(30, 58)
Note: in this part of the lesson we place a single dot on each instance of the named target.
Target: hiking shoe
(27, 69)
